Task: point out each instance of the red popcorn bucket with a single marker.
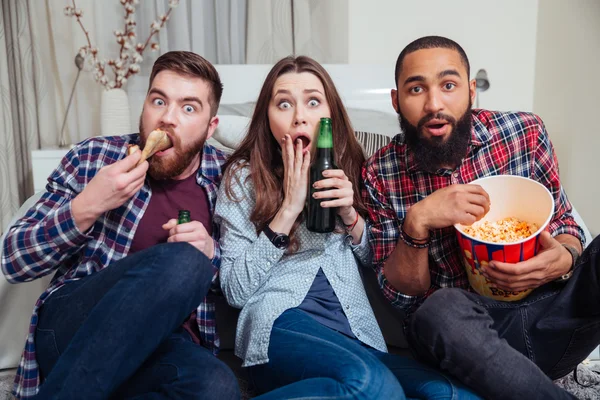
(510, 197)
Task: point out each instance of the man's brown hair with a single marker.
(191, 64)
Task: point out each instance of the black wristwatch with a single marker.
(279, 240)
(574, 256)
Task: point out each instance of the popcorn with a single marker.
(506, 230)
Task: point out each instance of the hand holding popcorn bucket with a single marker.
(520, 209)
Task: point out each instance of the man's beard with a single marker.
(169, 167)
(435, 152)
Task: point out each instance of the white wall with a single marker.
(499, 36)
(567, 96)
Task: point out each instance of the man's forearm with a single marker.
(83, 213)
(570, 240)
(407, 268)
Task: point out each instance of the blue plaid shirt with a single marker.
(46, 238)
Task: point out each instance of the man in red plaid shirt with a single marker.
(417, 189)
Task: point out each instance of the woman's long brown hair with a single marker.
(260, 151)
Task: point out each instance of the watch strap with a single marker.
(574, 256)
(279, 240)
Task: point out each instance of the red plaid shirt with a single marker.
(501, 143)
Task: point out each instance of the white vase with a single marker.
(114, 113)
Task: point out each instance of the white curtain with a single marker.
(27, 95)
(316, 28)
(215, 29)
(212, 28)
(38, 44)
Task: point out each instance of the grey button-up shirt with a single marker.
(264, 281)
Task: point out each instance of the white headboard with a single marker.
(362, 87)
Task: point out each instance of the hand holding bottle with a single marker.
(337, 189)
(192, 232)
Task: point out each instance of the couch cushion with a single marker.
(17, 304)
(231, 130)
(371, 142)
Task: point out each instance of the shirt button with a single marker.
(347, 307)
(358, 334)
(456, 174)
(306, 280)
(268, 263)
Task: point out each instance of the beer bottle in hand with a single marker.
(184, 216)
(321, 219)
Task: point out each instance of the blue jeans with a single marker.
(509, 350)
(117, 333)
(309, 360)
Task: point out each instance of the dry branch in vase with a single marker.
(131, 51)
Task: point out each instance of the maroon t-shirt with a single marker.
(168, 197)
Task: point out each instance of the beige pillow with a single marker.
(231, 130)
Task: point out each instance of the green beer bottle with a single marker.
(321, 219)
(184, 216)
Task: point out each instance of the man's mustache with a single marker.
(441, 116)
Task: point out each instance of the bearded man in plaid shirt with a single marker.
(417, 189)
(126, 314)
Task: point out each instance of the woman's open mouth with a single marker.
(304, 138)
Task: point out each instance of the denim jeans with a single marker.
(117, 333)
(309, 360)
(509, 350)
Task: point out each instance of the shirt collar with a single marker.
(210, 164)
(480, 135)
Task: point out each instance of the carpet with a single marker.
(6, 384)
(588, 387)
(586, 375)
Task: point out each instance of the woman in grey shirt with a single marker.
(306, 328)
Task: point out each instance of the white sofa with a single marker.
(17, 303)
(365, 91)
